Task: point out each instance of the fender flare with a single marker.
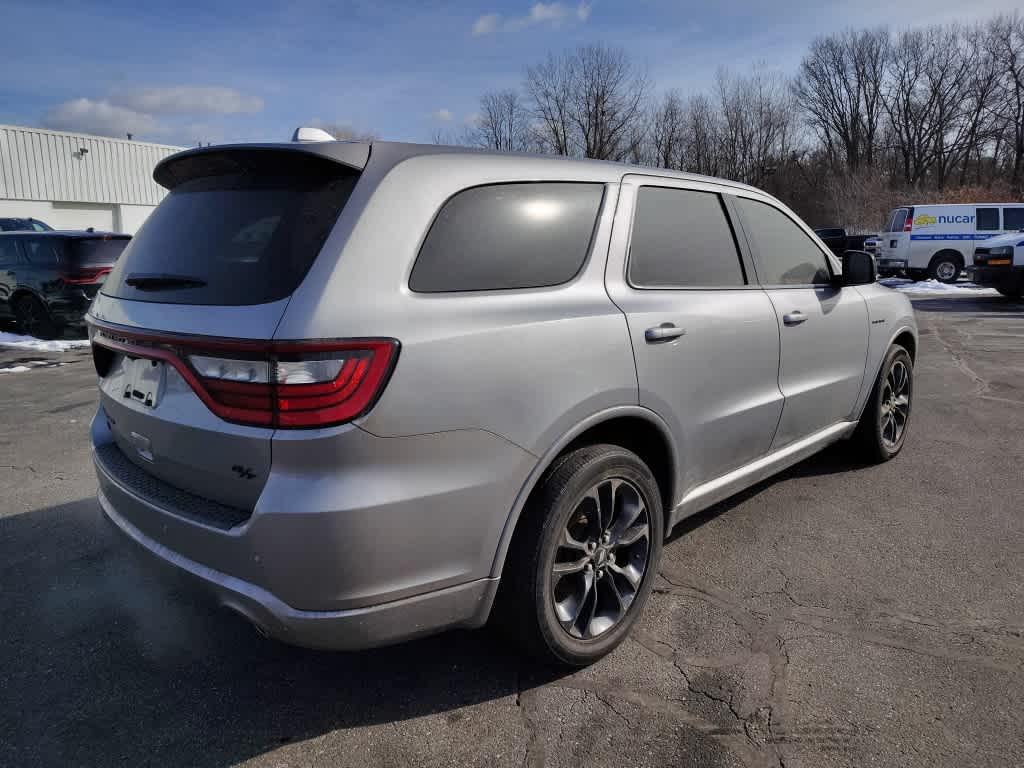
(24, 290)
(903, 328)
(555, 450)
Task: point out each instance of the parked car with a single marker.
(999, 263)
(364, 396)
(26, 225)
(937, 241)
(48, 279)
(839, 242)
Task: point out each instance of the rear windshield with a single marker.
(242, 237)
(897, 219)
(95, 252)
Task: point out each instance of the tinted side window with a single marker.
(1013, 218)
(786, 255)
(42, 252)
(988, 219)
(506, 236)
(8, 251)
(682, 238)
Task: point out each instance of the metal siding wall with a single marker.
(46, 165)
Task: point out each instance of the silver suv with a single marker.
(365, 392)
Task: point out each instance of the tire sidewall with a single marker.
(895, 353)
(613, 464)
(940, 258)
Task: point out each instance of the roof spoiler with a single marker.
(239, 158)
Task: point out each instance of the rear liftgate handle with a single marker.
(663, 332)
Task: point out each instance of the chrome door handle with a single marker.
(794, 318)
(663, 332)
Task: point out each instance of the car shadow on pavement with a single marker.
(838, 458)
(975, 306)
(104, 662)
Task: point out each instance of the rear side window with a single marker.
(1013, 218)
(8, 251)
(247, 233)
(682, 238)
(897, 220)
(42, 251)
(95, 252)
(786, 255)
(988, 219)
(505, 236)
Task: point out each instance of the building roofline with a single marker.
(90, 136)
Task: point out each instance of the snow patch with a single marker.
(934, 287)
(15, 369)
(18, 341)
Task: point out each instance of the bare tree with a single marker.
(756, 125)
(504, 122)
(549, 86)
(702, 130)
(668, 131)
(1008, 43)
(839, 90)
(608, 95)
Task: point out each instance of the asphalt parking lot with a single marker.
(838, 615)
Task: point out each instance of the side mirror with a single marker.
(858, 268)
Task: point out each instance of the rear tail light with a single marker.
(274, 384)
(908, 223)
(85, 276)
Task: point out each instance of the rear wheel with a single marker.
(34, 319)
(883, 425)
(584, 556)
(946, 266)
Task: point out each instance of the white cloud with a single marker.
(99, 117)
(486, 24)
(443, 115)
(187, 100)
(552, 14)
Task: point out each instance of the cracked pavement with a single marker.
(838, 615)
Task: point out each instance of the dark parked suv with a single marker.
(48, 279)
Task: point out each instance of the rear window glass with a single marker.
(95, 252)
(897, 220)
(42, 251)
(505, 236)
(246, 237)
(682, 238)
(988, 219)
(1013, 218)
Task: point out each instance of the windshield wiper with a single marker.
(159, 282)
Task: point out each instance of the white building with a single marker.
(75, 181)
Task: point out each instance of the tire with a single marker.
(946, 266)
(34, 318)
(880, 436)
(573, 619)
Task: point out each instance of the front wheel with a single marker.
(883, 425)
(946, 267)
(584, 556)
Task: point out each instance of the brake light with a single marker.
(85, 276)
(908, 223)
(289, 385)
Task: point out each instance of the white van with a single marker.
(937, 241)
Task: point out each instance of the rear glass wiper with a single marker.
(159, 282)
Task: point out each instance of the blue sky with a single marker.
(183, 72)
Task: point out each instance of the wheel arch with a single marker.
(20, 292)
(904, 336)
(633, 427)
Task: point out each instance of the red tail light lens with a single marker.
(908, 223)
(288, 385)
(85, 276)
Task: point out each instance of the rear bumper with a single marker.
(69, 307)
(356, 541)
(465, 605)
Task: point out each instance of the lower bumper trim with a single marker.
(465, 605)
